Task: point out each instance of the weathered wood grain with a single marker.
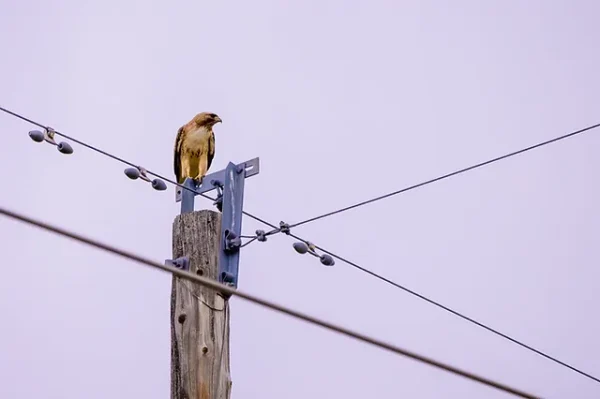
(199, 316)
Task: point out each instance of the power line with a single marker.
(457, 172)
(213, 284)
(458, 314)
(286, 229)
(124, 161)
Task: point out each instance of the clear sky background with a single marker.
(342, 100)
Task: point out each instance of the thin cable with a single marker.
(248, 242)
(126, 162)
(228, 291)
(457, 172)
(91, 147)
(200, 299)
(277, 230)
(455, 313)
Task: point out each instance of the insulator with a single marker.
(36, 136)
(65, 148)
(132, 173)
(159, 185)
(300, 247)
(327, 260)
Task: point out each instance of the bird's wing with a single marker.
(211, 150)
(177, 154)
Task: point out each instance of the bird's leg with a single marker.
(186, 168)
(201, 171)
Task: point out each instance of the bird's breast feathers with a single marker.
(196, 140)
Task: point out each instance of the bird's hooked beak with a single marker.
(218, 119)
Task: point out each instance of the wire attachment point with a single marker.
(141, 173)
(261, 235)
(182, 263)
(284, 228)
(232, 242)
(48, 136)
(310, 248)
(218, 202)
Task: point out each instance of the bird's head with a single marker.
(207, 119)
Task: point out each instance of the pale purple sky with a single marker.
(341, 100)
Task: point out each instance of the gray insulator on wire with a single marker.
(64, 148)
(132, 173)
(159, 185)
(36, 136)
(327, 260)
(301, 247)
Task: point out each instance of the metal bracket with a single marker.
(231, 223)
(182, 263)
(210, 182)
(49, 135)
(229, 184)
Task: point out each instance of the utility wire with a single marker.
(458, 314)
(457, 172)
(225, 290)
(279, 229)
(126, 162)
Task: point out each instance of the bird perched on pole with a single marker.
(195, 147)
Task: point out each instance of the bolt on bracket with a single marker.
(182, 263)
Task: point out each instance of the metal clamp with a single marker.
(182, 263)
(261, 236)
(284, 228)
(231, 242)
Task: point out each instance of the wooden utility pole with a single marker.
(199, 316)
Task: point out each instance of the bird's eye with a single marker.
(213, 116)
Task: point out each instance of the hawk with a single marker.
(195, 147)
